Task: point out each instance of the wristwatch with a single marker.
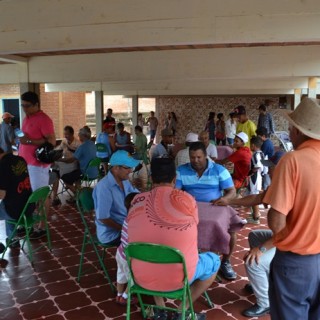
(29, 141)
(263, 249)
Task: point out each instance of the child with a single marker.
(122, 265)
(256, 170)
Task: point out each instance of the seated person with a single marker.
(15, 190)
(206, 181)
(182, 156)
(210, 148)
(162, 149)
(83, 155)
(140, 144)
(123, 139)
(68, 145)
(106, 138)
(261, 252)
(109, 195)
(169, 217)
(241, 159)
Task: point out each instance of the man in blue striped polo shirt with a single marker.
(207, 182)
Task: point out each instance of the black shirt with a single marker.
(14, 179)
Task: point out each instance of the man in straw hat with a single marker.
(295, 220)
(7, 133)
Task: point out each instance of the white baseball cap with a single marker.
(243, 136)
(192, 137)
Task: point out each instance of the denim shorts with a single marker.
(208, 264)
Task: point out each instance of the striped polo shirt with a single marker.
(209, 186)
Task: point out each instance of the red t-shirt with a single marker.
(241, 159)
(164, 216)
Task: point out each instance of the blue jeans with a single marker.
(294, 286)
(230, 141)
(152, 134)
(4, 216)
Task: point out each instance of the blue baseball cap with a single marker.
(123, 158)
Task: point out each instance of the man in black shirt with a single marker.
(15, 190)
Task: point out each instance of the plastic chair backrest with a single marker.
(39, 194)
(155, 253)
(85, 200)
(95, 162)
(224, 152)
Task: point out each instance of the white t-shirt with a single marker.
(212, 151)
(231, 129)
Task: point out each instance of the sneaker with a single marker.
(2, 247)
(56, 202)
(248, 288)
(122, 301)
(14, 244)
(160, 315)
(197, 316)
(37, 234)
(253, 221)
(227, 270)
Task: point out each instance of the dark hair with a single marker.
(262, 107)
(30, 97)
(139, 114)
(232, 114)
(240, 110)
(262, 131)
(109, 109)
(257, 141)
(120, 125)
(163, 170)
(219, 116)
(138, 128)
(211, 115)
(69, 129)
(174, 116)
(194, 146)
(128, 199)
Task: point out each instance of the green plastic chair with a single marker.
(85, 206)
(159, 254)
(95, 162)
(37, 197)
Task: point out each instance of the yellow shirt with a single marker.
(249, 128)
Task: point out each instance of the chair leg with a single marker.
(102, 265)
(128, 303)
(211, 305)
(82, 255)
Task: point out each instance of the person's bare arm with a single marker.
(229, 194)
(276, 220)
(2, 194)
(248, 201)
(111, 223)
(51, 138)
(255, 253)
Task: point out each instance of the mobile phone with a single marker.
(19, 133)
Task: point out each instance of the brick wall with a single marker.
(64, 108)
(9, 90)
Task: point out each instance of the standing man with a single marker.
(109, 117)
(206, 181)
(153, 125)
(109, 195)
(38, 129)
(265, 120)
(244, 124)
(295, 220)
(7, 133)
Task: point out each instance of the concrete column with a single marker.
(297, 97)
(135, 110)
(99, 110)
(312, 85)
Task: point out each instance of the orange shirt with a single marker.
(295, 193)
(164, 216)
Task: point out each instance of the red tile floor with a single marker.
(50, 290)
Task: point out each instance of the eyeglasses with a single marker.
(26, 105)
(125, 167)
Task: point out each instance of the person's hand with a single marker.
(253, 255)
(24, 140)
(220, 202)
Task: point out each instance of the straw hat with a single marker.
(306, 117)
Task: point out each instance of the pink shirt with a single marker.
(164, 216)
(35, 126)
